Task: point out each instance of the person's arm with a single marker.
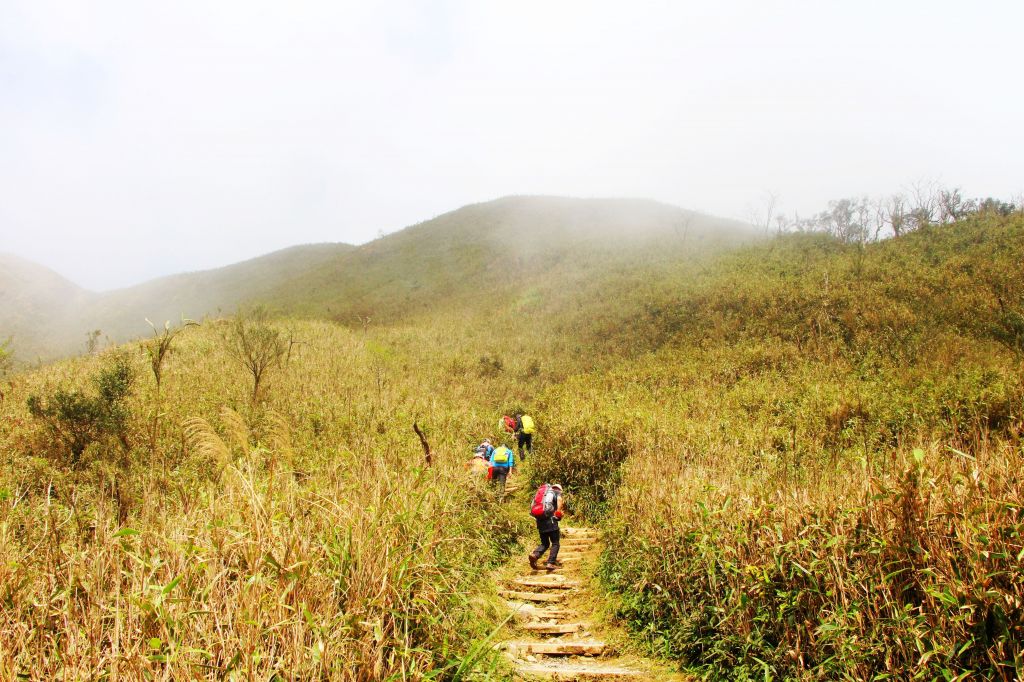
(558, 508)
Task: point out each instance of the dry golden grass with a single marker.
(301, 538)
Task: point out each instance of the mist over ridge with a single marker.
(440, 261)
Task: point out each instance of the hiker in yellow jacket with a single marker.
(525, 428)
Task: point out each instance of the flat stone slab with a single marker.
(530, 611)
(548, 582)
(553, 628)
(578, 648)
(532, 596)
(564, 671)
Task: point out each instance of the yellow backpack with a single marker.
(528, 425)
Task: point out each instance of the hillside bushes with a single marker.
(845, 500)
(587, 461)
(913, 574)
(76, 419)
(300, 537)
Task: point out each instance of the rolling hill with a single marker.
(35, 303)
(469, 258)
(803, 455)
(48, 316)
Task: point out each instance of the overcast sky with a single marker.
(139, 138)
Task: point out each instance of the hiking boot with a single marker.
(533, 561)
(554, 566)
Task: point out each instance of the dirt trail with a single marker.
(556, 635)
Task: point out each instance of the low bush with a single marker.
(76, 419)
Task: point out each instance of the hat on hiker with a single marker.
(557, 486)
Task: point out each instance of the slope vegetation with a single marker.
(35, 299)
(470, 259)
(804, 457)
(47, 316)
(483, 255)
(816, 471)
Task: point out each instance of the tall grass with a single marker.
(747, 428)
(857, 576)
(830, 483)
(302, 537)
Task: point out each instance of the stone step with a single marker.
(565, 671)
(579, 532)
(525, 611)
(532, 596)
(583, 647)
(563, 571)
(553, 628)
(548, 583)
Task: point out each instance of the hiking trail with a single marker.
(555, 633)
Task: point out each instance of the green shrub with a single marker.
(77, 419)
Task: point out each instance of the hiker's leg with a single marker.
(556, 537)
(520, 440)
(500, 474)
(545, 542)
(529, 444)
(546, 539)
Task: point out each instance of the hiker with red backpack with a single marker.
(547, 511)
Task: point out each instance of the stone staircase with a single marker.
(557, 642)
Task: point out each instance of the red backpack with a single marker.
(543, 502)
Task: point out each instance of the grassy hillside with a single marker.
(35, 299)
(122, 313)
(806, 455)
(50, 317)
(816, 472)
(481, 256)
(300, 535)
(471, 258)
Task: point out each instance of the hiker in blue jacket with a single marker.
(503, 463)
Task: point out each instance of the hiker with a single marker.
(484, 449)
(547, 510)
(525, 429)
(503, 463)
(480, 463)
(507, 424)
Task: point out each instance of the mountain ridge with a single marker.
(457, 258)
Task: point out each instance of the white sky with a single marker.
(139, 138)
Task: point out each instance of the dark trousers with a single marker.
(549, 538)
(524, 442)
(498, 476)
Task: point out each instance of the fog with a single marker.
(139, 138)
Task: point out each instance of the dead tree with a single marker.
(428, 454)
